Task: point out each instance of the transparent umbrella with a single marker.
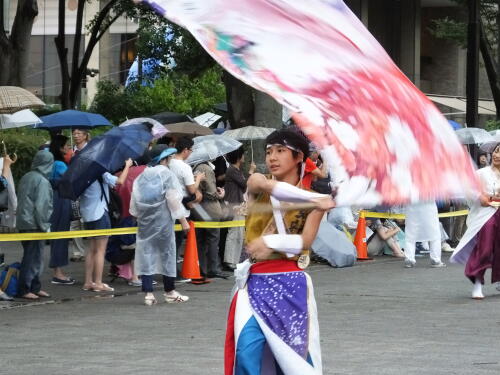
(472, 136)
(496, 134)
(249, 133)
(210, 147)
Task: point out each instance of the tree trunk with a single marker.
(268, 112)
(62, 53)
(491, 72)
(14, 57)
(240, 104)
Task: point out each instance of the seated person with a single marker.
(382, 234)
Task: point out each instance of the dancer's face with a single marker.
(281, 162)
(495, 157)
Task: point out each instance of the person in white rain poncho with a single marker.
(156, 203)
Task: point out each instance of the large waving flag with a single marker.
(386, 142)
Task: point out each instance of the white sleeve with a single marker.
(188, 176)
(289, 193)
(284, 243)
(174, 203)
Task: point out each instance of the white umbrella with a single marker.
(207, 119)
(249, 133)
(210, 147)
(470, 136)
(19, 119)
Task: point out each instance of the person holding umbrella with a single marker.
(94, 211)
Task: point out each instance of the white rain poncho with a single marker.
(156, 203)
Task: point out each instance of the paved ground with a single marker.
(375, 318)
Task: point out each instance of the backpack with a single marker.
(9, 277)
(114, 205)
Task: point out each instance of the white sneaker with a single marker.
(175, 297)
(150, 300)
(410, 263)
(437, 264)
(446, 248)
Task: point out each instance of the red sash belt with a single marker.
(275, 265)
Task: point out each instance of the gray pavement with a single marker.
(375, 318)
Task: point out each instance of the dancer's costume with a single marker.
(272, 325)
(479, 248)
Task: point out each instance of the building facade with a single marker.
(402, 27)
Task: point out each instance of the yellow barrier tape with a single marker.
(383, 215)
(198, 224)
(108, 232)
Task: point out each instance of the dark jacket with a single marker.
(34, 206)
(235, 186)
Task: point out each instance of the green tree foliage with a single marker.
(174, 92)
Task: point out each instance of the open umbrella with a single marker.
(72, 119)
(489, 147)
(472, 136)
(13, 99)
(249, 133)
(170, 117)
(188, 128)
(157, 129)
(496, 134)
(19, 119)
(207, 119)
(210, 147)
(107, 152)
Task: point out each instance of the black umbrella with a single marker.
(171, 118)
(106, 153)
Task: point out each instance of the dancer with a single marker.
(272, 325)
(422, 225)
(479, 248)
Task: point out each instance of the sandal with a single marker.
(103, 288)
(30, 296)
(43, 294)
(150, 300)
(88, 288)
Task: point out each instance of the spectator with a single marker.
(94, 211)
(80, 138)
(189, 183)
(208, 238)
(33, 215)
(483, 160)
(235, 188)
(6, 182)
(312, 171)
(156, 202)
(383, 234)
(61, 215)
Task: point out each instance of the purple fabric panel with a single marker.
(486, 253)
(281, 301)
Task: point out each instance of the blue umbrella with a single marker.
(105, 153)
(71, 119)
(455, 125)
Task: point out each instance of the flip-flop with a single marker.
(87, 288)
(30, 298)
(104, 288)
(43, 294)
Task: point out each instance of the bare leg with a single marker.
(89, 265)
(100, 250)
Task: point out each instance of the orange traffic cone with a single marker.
(191, 265)
(360, 239)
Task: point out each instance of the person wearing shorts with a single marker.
(94, 211)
